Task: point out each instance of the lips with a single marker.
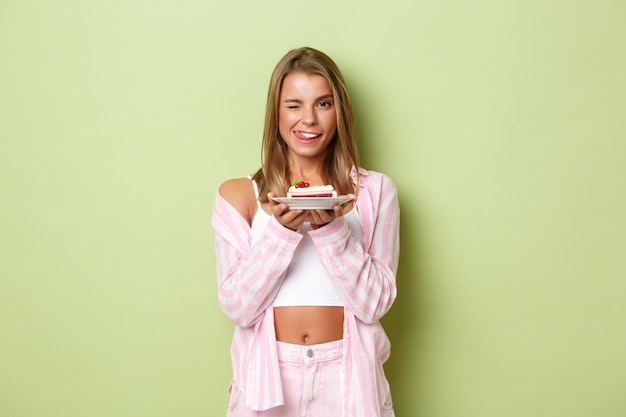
(306, 136)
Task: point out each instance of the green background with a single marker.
(502, 123)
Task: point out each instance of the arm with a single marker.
(364, 277)
(249, 276)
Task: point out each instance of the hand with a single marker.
(291, 219)
(319, 218)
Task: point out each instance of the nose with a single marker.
(308, 116)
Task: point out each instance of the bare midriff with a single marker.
(308, 325)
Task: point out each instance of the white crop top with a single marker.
(307, 282)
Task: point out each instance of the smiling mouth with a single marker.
(306, 135)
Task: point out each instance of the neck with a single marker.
(307, 170)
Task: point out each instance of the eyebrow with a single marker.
(295, 100)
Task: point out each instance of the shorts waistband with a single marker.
(288, 352)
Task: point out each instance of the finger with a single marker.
(294, 222)
(270, 197)
(314, 216)
(283, 213)
(299, 215)
(337, 210)
(322, 216)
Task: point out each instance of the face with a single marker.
(307, 119)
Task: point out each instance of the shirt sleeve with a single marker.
(249, 276)
(365, 277)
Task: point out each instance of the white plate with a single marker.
(312, 203)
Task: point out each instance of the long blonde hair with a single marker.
(341, 155)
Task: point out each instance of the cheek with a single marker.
(285, 120)
(330, 121)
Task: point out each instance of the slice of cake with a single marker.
(303, 189)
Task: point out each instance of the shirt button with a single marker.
(309, 353)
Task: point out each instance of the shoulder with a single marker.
(239, 193)
(235, 186)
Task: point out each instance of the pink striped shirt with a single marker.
(363, 272)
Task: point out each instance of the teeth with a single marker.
(308, 135)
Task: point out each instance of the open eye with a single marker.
(325, 104)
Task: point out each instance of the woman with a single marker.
(306, 288)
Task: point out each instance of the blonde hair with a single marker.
(341, 155)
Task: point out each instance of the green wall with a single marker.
(502, 123)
